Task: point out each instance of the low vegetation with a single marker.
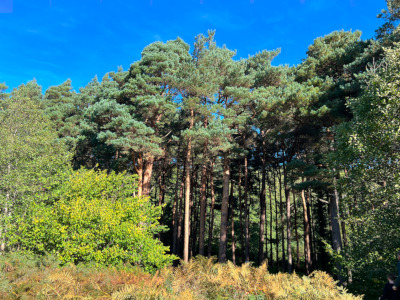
(26, 277)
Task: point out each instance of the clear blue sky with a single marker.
(53, 40)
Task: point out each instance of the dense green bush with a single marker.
(96, 219)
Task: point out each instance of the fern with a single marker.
(63, 277)
(126, 293)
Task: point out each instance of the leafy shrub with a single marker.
(96, 219)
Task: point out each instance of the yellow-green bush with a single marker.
(96, 220)
(199, 279)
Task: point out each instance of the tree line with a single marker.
(249, 161)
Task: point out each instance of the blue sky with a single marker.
(53, 40)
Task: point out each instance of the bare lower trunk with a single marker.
(262, 213)
(6, 214)
(296, 232)
(175, 211)
(194, 208)
(232, 225)
(211, 228)
(336, 237)
(203, 202)
(148, 170)
(270, 224)
(288, 221)
(161, 198)
(187, 193)
(307, 250)
(241, 207)
(181, 212)
(139, 171)
(310, 220)
(224, 210)
(282, 222)
(246, 216)
(276, 224)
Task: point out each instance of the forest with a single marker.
(193, 154)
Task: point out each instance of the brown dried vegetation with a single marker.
(201, 278)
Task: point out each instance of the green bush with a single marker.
(96, 219)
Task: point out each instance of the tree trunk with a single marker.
(203, 203)
(241, 207)
(232, 210)
(6, 214)
(307, 250)
(187, 193)
(336, 237)
(175, 210)
(288, 220)
(211, 228)
(276, 224)
(270, 224)
(312, 239)
(147, 175)
(181, 213)
(296, 232)
(139, 171)
(224, 210)
(263, 212)
(161, 196)
(282, 222)
(246, 216)
(194, 207)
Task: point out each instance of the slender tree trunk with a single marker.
(276, 224)
(296, 232)
(263, 212)
(336, 237)
(288, 220)
(270, 224)
(232, 210)
(187, 192)
(161, 197)
(323, 259)
(6, 214)
(312, 233)
(203, 203)
(175, 214)
(307, 250)
(180, 217)
(224, 210)
(246, 217)
(241, 206)
(282, 222)
(195, 214)
(211, 228)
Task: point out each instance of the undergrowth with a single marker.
(28, 277)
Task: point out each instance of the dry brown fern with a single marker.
(125, 293)
(64, 278)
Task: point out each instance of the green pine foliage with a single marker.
(297, 165)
